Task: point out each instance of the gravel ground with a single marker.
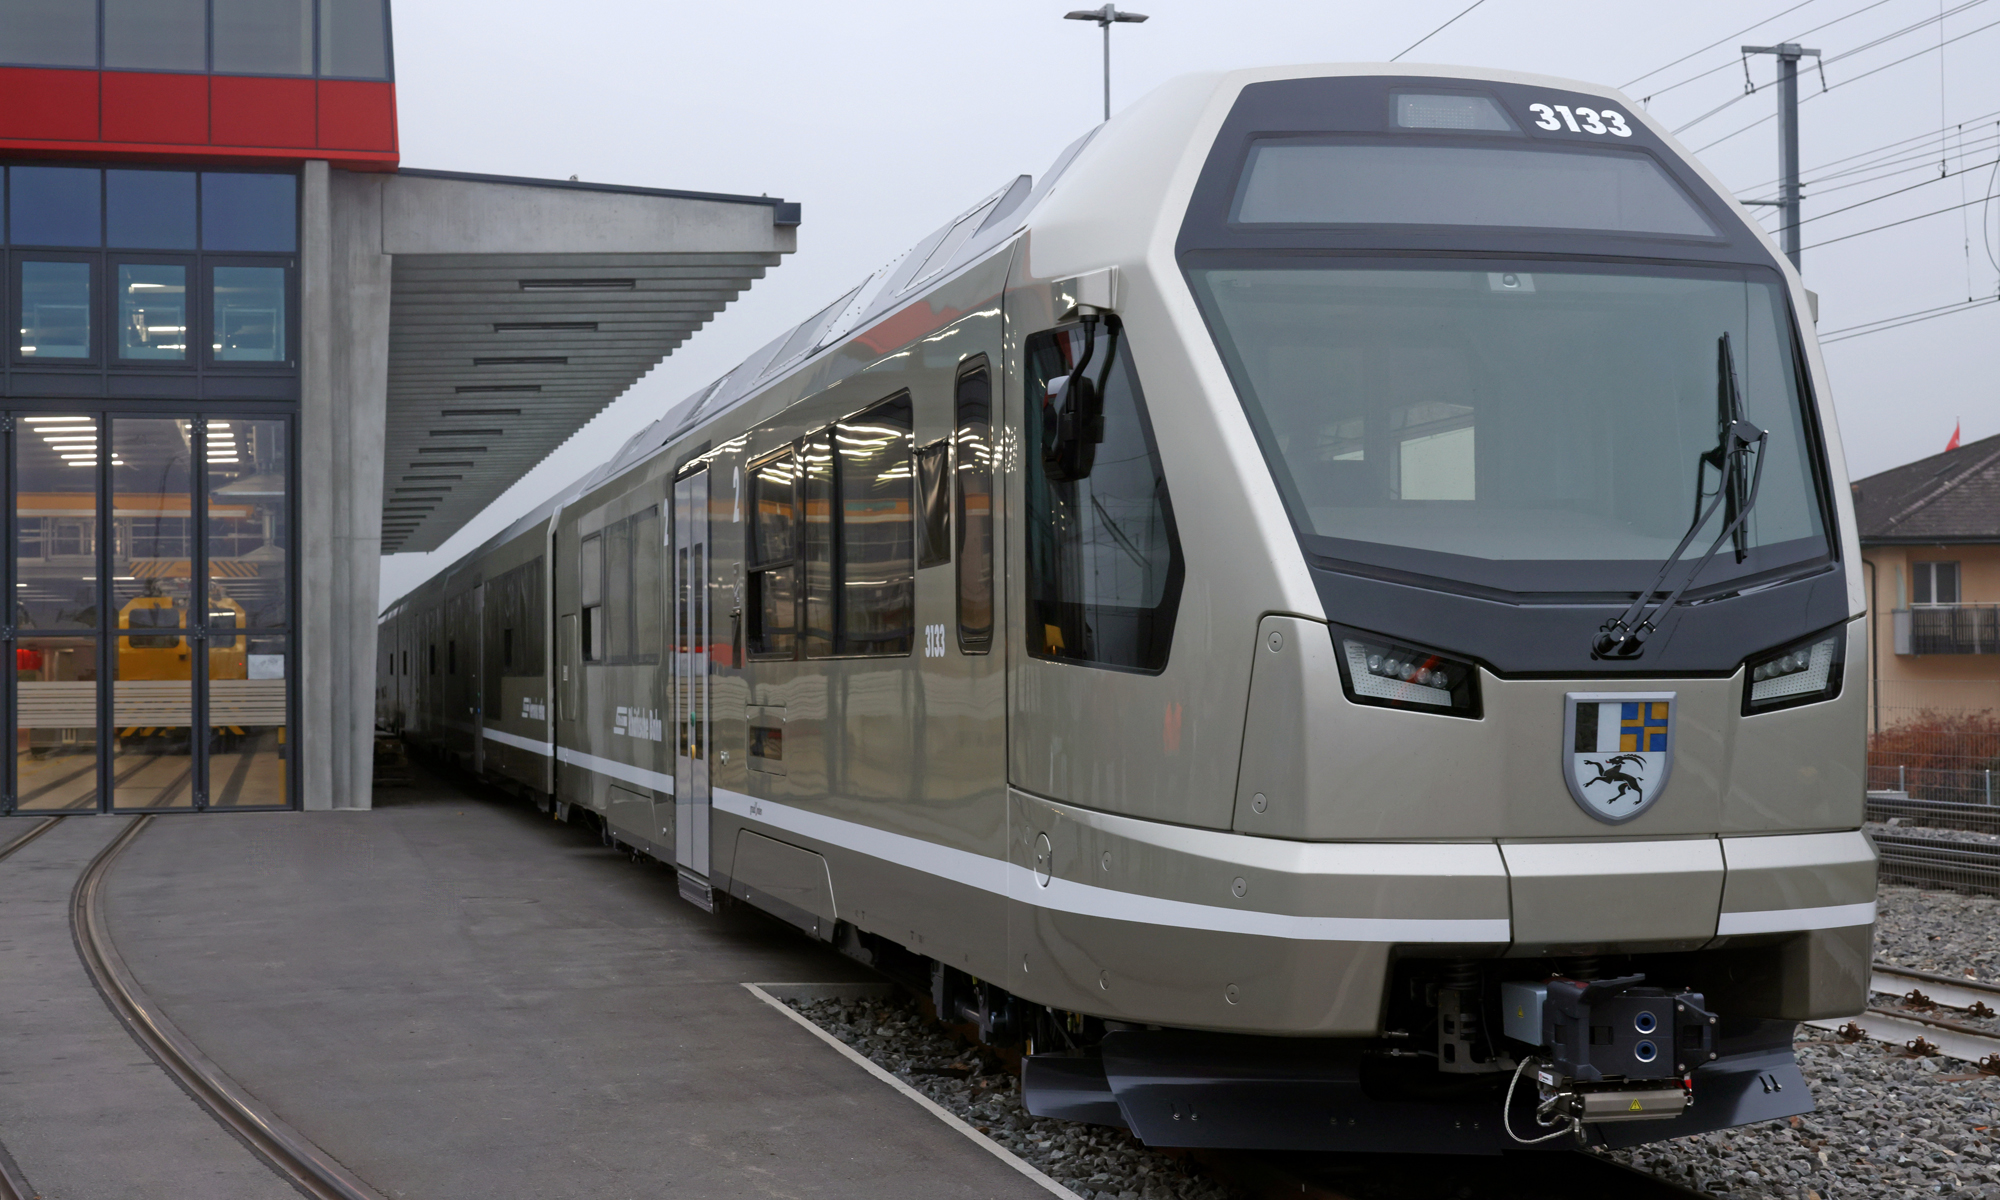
(1093, 1161)
(1945, 932)
(1910, 828)
(1887, 1125)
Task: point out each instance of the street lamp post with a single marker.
(1106, 17)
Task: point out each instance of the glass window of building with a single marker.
(55, 506)
(257, 213)
(149, 210)
(54, 304)
(263, 37)
(156, 35)
(54, 206)
(248, 311)
(152, 312)
(354, 39)
(248, 535)
(48, 33)
(152, 576)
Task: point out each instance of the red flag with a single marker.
(1953, 443)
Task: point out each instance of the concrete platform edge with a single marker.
(769, 994)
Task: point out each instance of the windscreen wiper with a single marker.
(1624, 636)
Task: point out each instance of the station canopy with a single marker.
(520, 308)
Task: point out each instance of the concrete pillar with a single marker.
(360, 375)
(315, 652)
(344, 364)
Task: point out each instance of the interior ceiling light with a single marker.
(578, 285)
(545, 327)
(47, 420)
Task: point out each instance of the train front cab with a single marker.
(1439, 374)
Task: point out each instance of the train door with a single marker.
(690, 654)
(477, 679)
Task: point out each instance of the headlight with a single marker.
(1395, 675)
(1801, 673)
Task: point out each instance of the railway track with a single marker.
(13, 1184)
(1939, 862)
(1938, 1011)
(1940, 814)
(295, 1158)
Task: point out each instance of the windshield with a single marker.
(1530, 430)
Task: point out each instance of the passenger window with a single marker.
(1104, 562)
(860, 535)
(974, 498)
(877, 534)
(617, 610)
(934, 500)
(773, 567)
(817, 477)
(648, 556)
(590, 586)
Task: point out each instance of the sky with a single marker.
(886, 119)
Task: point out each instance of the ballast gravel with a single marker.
(1095, 1162)
(1888, 1125)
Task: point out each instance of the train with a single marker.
(1328, 620)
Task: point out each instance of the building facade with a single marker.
(247, 351)
(1930, 539)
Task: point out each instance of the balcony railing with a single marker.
(1948, 629)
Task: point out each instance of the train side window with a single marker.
(774, 558)
(615, 643)
(434, 658)
(451, 657)
(648, 556)
(818, 544)
(878, 567)
(934, 504)
(973, 488)
(1104, 560)
(590, 588)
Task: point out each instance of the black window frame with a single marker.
(196, 333)
(755, 569)
(18, 259)
(1929, 568)
(287, 365)
(973, 639)
(1164, 616)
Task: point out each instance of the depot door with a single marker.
(690, 658)
(149, 647)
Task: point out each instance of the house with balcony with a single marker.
(1930, 545)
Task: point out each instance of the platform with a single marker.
(453, 996)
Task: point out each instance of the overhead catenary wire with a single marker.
(1440, 29)
(1898, 146)
(1712, 45)
(1910, 318)
(1899, 191)
(1824, 62)
(1732, 37)
(1936, 212)
(1851, 79)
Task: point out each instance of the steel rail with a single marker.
(29, 836)
(13, 1184)
(304, 1165)
(1939, 861)
(1883, 968)
(1937, 814)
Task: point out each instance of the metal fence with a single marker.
(1939, 862)
(1936, 814)
(1937, 755)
